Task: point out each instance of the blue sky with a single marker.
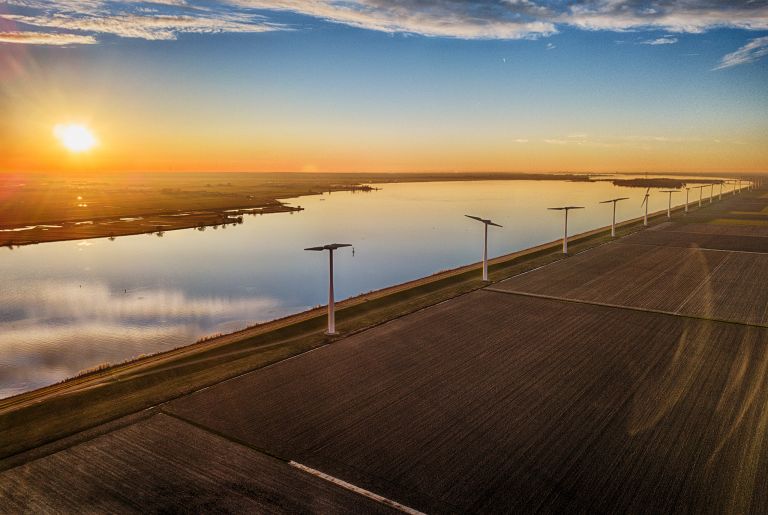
(587, 80)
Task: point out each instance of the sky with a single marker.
(386, 85)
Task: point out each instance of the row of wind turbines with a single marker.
(331, 247)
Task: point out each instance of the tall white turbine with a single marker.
(613, 221)
(565, 232)
(645, 203)
(331, 304)
(486, 223)
(669, 204)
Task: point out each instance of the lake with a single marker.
(69, 306)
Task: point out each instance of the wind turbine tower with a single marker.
(565, 232)
(645, 203)
(613, 221)
(669, 204)
(486, 223)
(331, 304)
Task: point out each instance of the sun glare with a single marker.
(74, 137)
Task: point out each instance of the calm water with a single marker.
(68, 306)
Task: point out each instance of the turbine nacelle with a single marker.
(484, 220)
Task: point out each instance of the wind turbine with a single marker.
(613, 221)
(486, 223)
(701, 189)
(331, 304)
(565, 232)
(669, 205)
(645, 203)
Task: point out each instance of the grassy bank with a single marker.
(34, 418)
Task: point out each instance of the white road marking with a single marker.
(356, 489)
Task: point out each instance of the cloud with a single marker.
(43, 38)
(483, 19)
(692, 16)
(666, 40)
(749, 53)
(478, 19)
(82, 21)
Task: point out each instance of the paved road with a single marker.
(632, 377)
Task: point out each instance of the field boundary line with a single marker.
(689, 246)
(356, 489)
(619, 306)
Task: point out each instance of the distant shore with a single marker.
(39, 209)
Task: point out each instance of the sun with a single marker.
(75, 137)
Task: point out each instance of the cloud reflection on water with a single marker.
(52, 330)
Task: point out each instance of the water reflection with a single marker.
(54, 329)
(68, 306)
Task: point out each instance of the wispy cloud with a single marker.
(479, 19)
(484, 19)
(666, 40)
(82, 21)
(691, 16)
(751, 52)
(43, 38)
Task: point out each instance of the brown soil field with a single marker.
(496, 402)
(206, 473)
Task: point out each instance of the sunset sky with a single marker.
(385, 85)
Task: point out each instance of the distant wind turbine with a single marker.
(645, 203)
(701, 189)
(565, 232)
(486, 223)
(331, 304)
(613, 221)
(669, 205)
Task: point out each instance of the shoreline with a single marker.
(33, 231)
(77, 404)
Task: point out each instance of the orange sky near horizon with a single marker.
(147, 116)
